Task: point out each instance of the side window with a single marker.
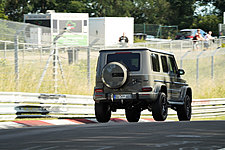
(164, 64)
(172, 65)
(155, 62)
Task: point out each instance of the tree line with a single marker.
(161, 12)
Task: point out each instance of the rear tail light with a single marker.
(98, 90)
(146, 89)
(191, 37)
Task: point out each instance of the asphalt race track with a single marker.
(205, 135)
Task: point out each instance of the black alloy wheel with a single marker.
(102, 112)
(160, 108)
(184, 111)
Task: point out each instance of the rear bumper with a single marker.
(148, 96)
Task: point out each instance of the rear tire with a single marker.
(133, 115)
(160, 108)
(184, 111)
(102, 112)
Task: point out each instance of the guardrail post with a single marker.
(197, 66)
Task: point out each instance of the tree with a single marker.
(181, 13)
(15, 9)
(207, 23)
(2, 9)
(150, 11)
(219, 4)
(70, 6)
(109, 8)
(41, 6)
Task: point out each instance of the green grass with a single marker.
(138, 40)
(208, 118)
(206, 86)
(31, 68)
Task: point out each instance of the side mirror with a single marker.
(180, 72)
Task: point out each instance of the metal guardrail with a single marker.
(23, 105)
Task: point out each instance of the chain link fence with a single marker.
(29, 64)
(157, 31)
(32, 61)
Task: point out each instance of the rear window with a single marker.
(186, 33)
(130, 60)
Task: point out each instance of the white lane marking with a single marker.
(105, 147)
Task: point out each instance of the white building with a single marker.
(57, 22)
(223, 17)
(106, 31)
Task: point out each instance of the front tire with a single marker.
(102, 112)
(184, 111)
(133, 115)
(160, 108)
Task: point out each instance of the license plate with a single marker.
(122, 96)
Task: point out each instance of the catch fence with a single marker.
(38, 64)
(157, 31)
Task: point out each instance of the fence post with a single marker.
(181, 47)
(193, 45)
(212, 63)
(197, 65)
(45, 69)
(75, 55)
(23, 50)
(16, 47)
(181, 59)
(55, 68)
(88, 68)
(41, 53)
(5, 47)
(144, 28)
(171, 45)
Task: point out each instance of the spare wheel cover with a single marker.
(114, 75)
